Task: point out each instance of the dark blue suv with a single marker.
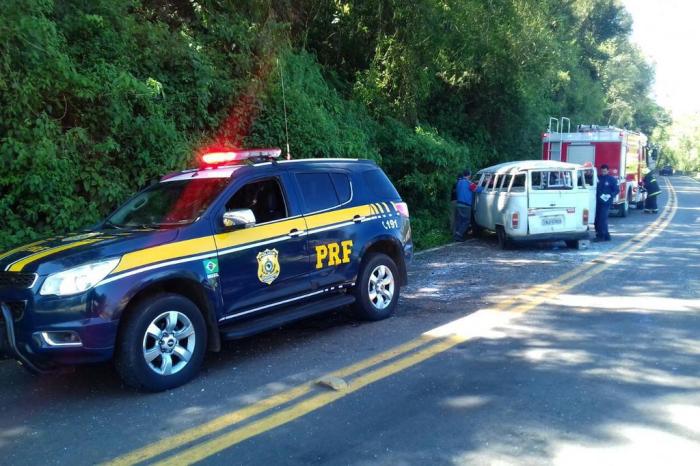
(238, 246)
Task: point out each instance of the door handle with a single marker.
(357, 218)
(294, 232)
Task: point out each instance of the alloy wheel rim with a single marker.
(169, 343)
(381, 287)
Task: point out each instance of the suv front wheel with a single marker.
(377, 288)
(162, 343)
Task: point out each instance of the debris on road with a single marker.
(332, 382)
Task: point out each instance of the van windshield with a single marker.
(552, 179)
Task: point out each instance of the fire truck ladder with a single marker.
(555, 124)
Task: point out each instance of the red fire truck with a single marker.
(625, 152)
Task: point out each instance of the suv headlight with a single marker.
(77, 279)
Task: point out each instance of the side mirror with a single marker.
(239, 218)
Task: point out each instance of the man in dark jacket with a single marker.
(653, 191)
(464, 191)
(606, 192)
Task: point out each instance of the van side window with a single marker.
(581, 183)
(492, 182)
(264, 198)
(588, 176)
(506, 182)
(485, 180)
(518, 183)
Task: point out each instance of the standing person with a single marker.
(465, 195)
(606, 192)
(453, 204)
(653, 191)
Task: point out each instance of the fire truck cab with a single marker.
(625, 152)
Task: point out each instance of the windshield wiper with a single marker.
(111, 224)
(160, 225)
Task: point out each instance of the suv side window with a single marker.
(343, 189)
(263, 197)
(318, 191)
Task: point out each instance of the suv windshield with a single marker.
(169, 203)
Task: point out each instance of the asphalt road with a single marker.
(538, 355)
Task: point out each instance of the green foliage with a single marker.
(321, 123)
(681, 144)
(95, 99)
(98, 96)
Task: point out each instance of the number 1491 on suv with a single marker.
(242, 244)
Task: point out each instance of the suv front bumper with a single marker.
(8, 342)
(35, 349)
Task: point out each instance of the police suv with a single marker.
(242, 244)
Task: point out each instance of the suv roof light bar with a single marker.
(239, 156)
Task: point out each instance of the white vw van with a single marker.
(536, 200)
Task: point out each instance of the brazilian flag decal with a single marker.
(211, 267)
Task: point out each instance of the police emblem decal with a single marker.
(268, 266)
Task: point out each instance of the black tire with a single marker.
(503, 241)
(476, 230)
(623, 209)
(130, 358)
(573, 243)
(366, 307)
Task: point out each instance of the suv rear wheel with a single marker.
(377, 288)
(161, 343)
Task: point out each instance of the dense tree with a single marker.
(98, 96)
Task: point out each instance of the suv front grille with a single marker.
(17, 280)
(16, 309)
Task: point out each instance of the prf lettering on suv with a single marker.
(240, 245)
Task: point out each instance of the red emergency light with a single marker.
(231, 157)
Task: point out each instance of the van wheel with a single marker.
(161, 344)
(377, 288)
(503, 241)
(573, 243)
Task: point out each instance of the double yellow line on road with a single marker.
(228, 430)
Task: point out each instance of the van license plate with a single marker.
(552, 221)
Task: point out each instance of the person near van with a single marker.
(653, 191)
(453, 204)
(465, 190)
(605, 193)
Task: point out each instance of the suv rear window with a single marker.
(378, 183)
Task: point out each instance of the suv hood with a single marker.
(61, 253)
